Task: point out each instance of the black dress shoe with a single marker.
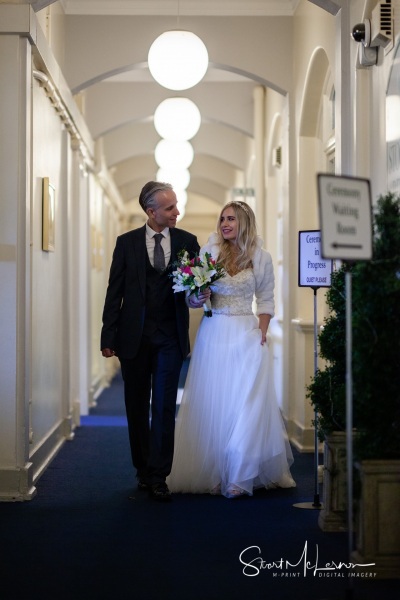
(142, 484)
(160, 492)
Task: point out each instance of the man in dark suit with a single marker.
(147, 326)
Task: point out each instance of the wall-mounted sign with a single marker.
(345, 217)
(314, 271)
(243, 192)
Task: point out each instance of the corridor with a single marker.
(83, 537)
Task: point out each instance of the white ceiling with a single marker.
(105, 64)
(183, 7)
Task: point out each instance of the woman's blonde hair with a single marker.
(237, 257)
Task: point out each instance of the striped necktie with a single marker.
(159, 258)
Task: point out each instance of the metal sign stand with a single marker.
(346, 223)
(316, 504)
(349, 425)
(314, 272)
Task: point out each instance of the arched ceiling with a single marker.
(105, 64)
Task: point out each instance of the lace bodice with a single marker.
(233, 295)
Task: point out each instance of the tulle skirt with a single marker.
(229, 431)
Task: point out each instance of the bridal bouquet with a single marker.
(195, 275)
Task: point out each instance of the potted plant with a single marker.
(376, 392)
(327, 392)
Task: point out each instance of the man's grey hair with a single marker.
(147, 198)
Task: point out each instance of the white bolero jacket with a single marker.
(263, 273)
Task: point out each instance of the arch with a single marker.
(143, 66)
(313, 89)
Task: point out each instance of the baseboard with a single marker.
(42, 456)
(302, 438)
(16, 485)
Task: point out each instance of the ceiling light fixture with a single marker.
(172, 154)
(178, 60)
(177, 119)
(181, 196)
(178, 178)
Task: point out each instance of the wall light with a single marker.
(178, 60)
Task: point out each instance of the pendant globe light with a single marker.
(172, 154)
(178, 178)
(177, 119)
(181, 196)
(178, 60)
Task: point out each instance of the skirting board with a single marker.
(302, 438)
(18, 484)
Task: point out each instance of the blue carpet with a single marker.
(103, 421)
(83, 538)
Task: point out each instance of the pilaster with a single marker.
(16, 478)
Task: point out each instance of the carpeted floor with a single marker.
(82, 538)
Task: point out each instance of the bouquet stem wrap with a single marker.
(207, 308)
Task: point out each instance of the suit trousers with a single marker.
(150, 388)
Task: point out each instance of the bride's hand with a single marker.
(263, 323)
(203, 296)
(200, 300)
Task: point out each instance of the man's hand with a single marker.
(107, 352)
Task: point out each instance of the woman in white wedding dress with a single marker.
(230, 437)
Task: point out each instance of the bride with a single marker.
(230, 437)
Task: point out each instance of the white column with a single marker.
(259, 167)
(15, 301)
(344, 153)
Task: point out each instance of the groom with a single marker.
(146, 326)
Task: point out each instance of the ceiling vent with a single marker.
(381, 24)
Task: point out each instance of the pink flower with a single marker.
(187, 270)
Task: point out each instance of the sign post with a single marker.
(346, 226)
(314, 272)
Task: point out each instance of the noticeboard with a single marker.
(314, 271)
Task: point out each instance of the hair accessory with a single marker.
(243, 205)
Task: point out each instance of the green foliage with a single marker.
(376, 344)
(376, 338)
(328, 395)
(327, 390)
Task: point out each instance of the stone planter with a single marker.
(333, 515)
(377, 517)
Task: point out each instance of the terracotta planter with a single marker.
(333, 515)
(377, 517)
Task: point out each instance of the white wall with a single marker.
(50, 313)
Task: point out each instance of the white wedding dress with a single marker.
(229, 431)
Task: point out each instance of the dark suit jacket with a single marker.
(125, 303)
